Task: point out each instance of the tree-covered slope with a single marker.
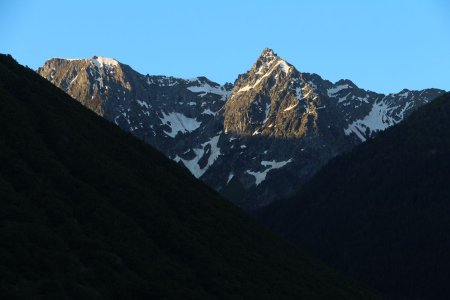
(381, 213)
(90, 212)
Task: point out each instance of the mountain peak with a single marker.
(347, 82)
(101, 60)
(267, 52)
(270, 99)
(105, 61)
(267, 56)
(267, 61)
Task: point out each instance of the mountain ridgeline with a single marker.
(254, 141)
(90, 212)
(272, 99)
(380, 214)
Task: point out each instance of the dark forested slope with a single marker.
(90, 212)
(381, 213)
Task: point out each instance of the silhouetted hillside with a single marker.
(90, 212)
(381, 213)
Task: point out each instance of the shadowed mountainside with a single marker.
(89, 211)
(380, 214)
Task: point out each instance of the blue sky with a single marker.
(381, 45)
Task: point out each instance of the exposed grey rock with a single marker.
(166, 112)
(255, 141)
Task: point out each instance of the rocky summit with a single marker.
(256, 140)
(272, 99)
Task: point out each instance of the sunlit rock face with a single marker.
(272, 99)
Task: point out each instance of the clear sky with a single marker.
(382, 45)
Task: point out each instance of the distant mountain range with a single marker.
(256, 140)
(87, 211)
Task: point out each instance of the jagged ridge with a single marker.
(256, 140)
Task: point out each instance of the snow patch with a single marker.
(404, 95)
(230, 177)
(205, 88)
(163, 80)
(311, 83)
(342, 99)
(363, 99)
(333, 91)
(208, 112)
(143, 104)
(378, 119)
(270, 165)
(100, 81)
(193, 165)
(73, 80)
(291, 107)
(284, 66)
(179, 123)
(248, 87)
(101, 61)
(266, 113)
(298, 93)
